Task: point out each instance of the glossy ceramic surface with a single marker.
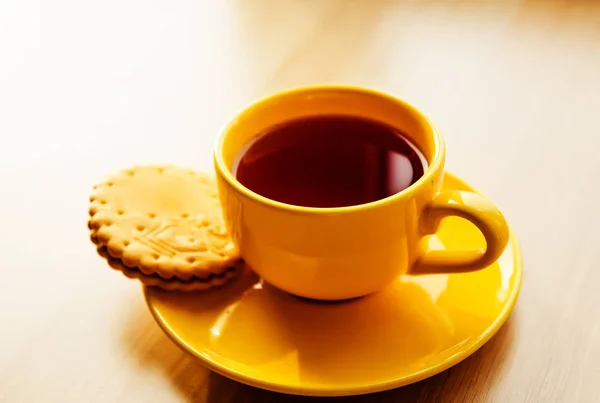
(416, 327)
(325, 250)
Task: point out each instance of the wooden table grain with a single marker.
(90, 87)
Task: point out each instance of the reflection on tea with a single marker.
(329, 161)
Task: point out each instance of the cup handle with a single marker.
(482, 213)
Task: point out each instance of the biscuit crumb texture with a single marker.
(162, 220)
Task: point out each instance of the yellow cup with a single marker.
(346, 252)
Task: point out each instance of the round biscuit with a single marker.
(162, 219)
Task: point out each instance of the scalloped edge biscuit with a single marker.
(164, 220)
(173, 284)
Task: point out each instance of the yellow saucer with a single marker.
(415, 328)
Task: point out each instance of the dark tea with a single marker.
(329, 161)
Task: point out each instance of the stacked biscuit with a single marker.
(163, 225)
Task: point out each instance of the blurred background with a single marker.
(90, 87)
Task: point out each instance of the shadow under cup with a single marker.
(327, 253)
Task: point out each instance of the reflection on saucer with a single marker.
(371, 335)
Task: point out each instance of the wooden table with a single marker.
(90, 87)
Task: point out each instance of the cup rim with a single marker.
(227, 174)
